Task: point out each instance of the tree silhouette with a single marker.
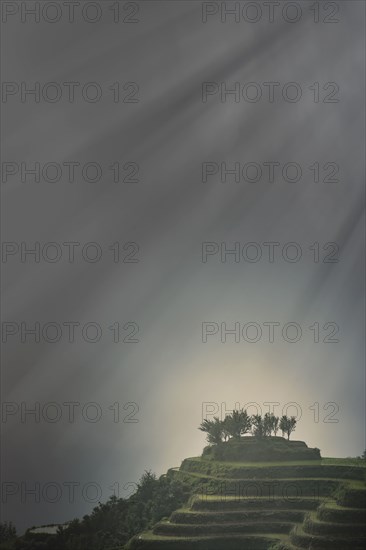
(258, 427)
(287, 425)
(274, 423)
(7, 531)
(214, 429)
(237, 424)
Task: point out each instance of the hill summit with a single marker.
(252, 449)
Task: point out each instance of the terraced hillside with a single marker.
(253, 506)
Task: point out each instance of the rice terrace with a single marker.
(249, 490)
(263, 492)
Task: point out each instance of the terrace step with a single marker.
(285, 487)
(228, 516)
(353, 498)
(287, 470)
(300, 538)
(149, 541)
(185, 530)
(332, 512)
(222, 503)
(314, 526)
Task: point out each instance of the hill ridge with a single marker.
(219, 516)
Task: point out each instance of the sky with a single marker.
(197, 226)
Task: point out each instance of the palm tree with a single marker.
(267, 424)
(275, 423)
(237, 424)
(257, 423)
(214, 429)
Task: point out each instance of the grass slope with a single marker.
(249, 506)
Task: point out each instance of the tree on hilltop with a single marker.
(214, 429)
(263, 427)
(287, 425)
(237, 424)
(258, 426)
(267, 424)
(274, 423)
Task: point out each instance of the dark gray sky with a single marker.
(163, 380)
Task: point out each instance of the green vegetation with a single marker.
(276, 505)
(111, 524)
(239, 423)
(7, 534)
(253, 449)
(344, 461)
(259, 491)
(287, 425)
